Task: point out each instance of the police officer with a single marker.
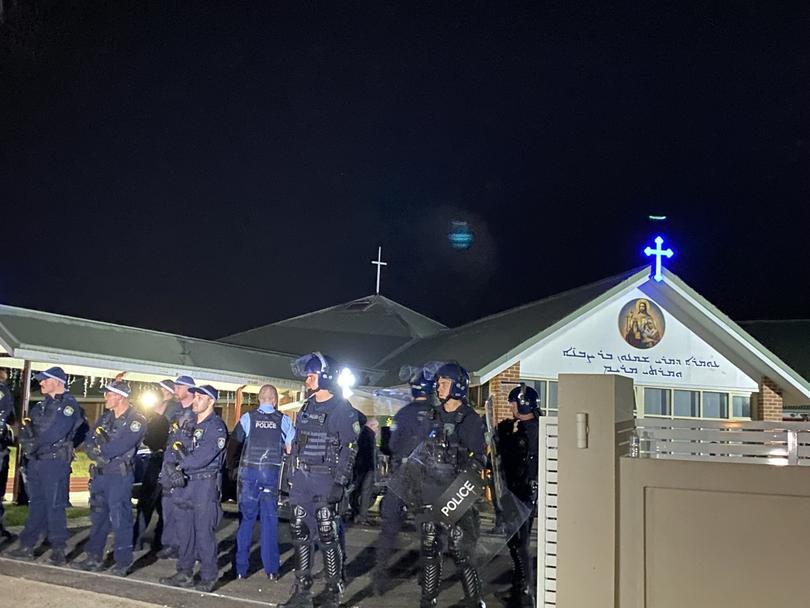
(180, 425)
(323, 455)
(194, 465)
(410, 427)
(518, 445)
(266, 436)
(112, 445)
(6, 418)
(46, 439)
(454, 445)
(149, 497)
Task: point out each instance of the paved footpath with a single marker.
(34, 586)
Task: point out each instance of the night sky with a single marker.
(204, 169)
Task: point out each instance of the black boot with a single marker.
(301, 596)
(179, 579)
(332, 596)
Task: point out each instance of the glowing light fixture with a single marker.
(658, 253)
(148, 399)
(346, 380)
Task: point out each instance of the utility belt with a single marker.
(63, 453)
(203, 475)
(113, 468)
(315, 468)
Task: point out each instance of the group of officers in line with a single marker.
(182, 482)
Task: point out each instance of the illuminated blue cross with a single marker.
(658, 253)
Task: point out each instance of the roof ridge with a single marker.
(389, 302)
(623, 275)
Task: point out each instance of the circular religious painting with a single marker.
(641, 323)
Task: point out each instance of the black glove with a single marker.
(335, 494)
(173, 478)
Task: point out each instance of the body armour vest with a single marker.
(445, 454)
(263, 447)
(317, 436)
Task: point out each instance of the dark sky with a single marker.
(203, 169)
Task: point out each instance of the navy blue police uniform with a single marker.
(455, 445)
(47, 442)
(518, 444)
(323, 453)
(6, 417)
(112, 444)
(264, 433)
(196, 460)
(180, 429)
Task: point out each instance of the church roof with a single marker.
(358, 333)
(483, 344)
(69, 341)
(788, 339)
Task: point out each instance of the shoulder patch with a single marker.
(198, 433)
(135, 426)
(68, 411)
(356, 427)
(221, 443)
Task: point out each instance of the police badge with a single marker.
(68, 411)
(221, 443)
(198, 433)
(135, 426)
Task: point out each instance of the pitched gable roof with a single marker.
(487, 344)
(358, 333)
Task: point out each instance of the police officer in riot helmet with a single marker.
(410, 427)
(518, 445)
(455, 445)
(323, 453)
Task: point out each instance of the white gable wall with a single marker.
(594, 344)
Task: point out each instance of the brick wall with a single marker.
(769, 403)
(499, 388)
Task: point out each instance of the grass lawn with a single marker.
(15, 516)
(80, 465)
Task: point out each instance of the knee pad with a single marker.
(298, 525)
(430, 540)
(457, 548)
(327, 527)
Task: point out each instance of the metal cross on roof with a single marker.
(379, 264)
(658, 253)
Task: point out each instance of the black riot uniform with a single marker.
(149, 498)
(323, 454)
(455, 445)
(411, 426)
(518, 444)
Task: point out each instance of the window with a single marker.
(552, 395)
(656, 402)
(715, 405)
(687, 404)
(741, 406)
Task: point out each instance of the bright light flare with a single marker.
(346, 380)
(149, 399)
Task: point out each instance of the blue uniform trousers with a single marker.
(258, 497)
(47, 487)
(198, 513)
(111, 509)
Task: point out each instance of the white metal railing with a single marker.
(547, 513)
(775, 443)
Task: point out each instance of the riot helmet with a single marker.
(459, 376)
(316, 363)
(421, 379)
(525, 397)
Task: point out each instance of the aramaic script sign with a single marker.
(632, 364)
